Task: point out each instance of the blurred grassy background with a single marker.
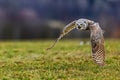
(68, 60)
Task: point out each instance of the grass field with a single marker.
(68, 60)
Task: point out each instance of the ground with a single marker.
(68, 60)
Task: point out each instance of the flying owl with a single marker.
(96, 37)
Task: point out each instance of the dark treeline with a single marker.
(29, 19)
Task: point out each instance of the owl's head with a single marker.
(82, 24)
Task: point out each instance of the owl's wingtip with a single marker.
(47, 49)
(101, 64)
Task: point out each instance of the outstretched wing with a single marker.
(66, 30)
(97, 42)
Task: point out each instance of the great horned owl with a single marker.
(96, 37)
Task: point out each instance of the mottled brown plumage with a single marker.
(97, 42)
(97, 39)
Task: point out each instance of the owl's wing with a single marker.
(66, 30)
(98, 52)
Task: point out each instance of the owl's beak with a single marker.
(79, 27)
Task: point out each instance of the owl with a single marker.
(96, 37)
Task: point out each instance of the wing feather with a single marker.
(65, 30)
(97, 42)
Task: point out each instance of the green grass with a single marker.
(68, 60)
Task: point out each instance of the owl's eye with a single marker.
(77, 24)
(81, 24)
